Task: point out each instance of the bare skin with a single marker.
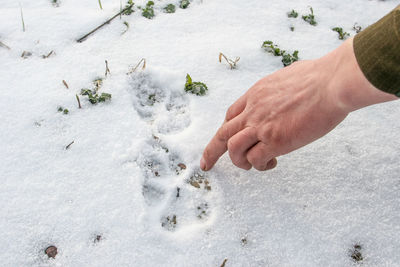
(292, 108)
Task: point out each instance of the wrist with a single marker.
(348, 86)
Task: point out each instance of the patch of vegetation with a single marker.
(55, 3)
(94, 97)
(292, 14)
(196, 88)
(287, 58)
(341, 34)
(170, 8)
(184, 4)
(63, 110)
(128, 8)
(148, 11)
(310, 18)
(355, 253)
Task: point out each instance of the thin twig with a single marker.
(49, 54)
(79, 101)
(83, 38)
(231, 62)
(143, 67)
(65, 83)
(223, 264)
(5, 46)
(67, 147)
(107, 69)
(22, 18)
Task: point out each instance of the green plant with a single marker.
(63, 110)
(148, 11)
(292, 28)
(292, 14)
(94, 97)
(197, 88)
(341, 35)
(287, 58)
(100, 4)
(127, 27)
(310, 18)
(128, 9)
(184, 4)
(170, 8)
(271, 48)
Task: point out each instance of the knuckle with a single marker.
(229, 113)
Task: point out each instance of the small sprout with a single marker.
(65, 84)
(271, 48)
(68, 146)
(232, 63)
(107, 69)
(357, 28)
(292, 28)
(55, 3)
(127, 27)
(152, 99)
(22, 18)
(100, 4)
(170, 8)
(26, 54)
(310, 18)
(342, 35)
(98, 82)
(79, 101)
(104, 96)
(184, 4)
(355, 253)
(292, 14)
(134, 69)
(63, 110)
(51, 251)
(148, 11)
(288, 59)
(197, 88)
(223, 264)
(49, 54)
(93, 99)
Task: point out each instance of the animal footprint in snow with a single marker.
(164, 107)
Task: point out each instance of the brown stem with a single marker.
(79, 101)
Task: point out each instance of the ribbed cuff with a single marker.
(377, 49)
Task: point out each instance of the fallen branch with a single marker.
(83, 38)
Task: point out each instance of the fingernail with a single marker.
(203, 164)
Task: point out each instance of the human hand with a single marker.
(291, 108)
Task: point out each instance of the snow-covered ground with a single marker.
(112, 197)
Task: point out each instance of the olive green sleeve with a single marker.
(377, 49)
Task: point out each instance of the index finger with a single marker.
(219, 143)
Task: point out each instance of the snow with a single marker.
(311, 210)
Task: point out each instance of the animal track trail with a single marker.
(177, 196)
